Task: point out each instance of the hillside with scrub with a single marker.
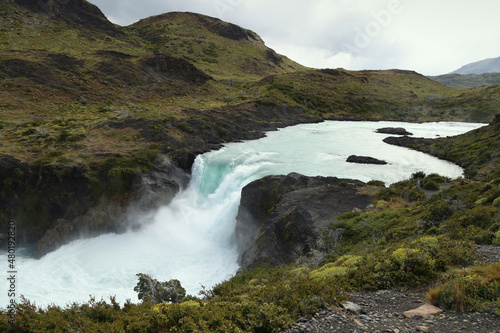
(93, 109)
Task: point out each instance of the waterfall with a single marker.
(192, 239)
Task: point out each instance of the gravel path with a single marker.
(382, 311)
(488, 254)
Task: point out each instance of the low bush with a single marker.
(430, 185)
(474, 289)
(262, 300)
(377, 183)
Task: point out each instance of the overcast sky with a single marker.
(431, 37)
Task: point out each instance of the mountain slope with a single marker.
(459, 81)
(79, 12)
(223, 50)
(491, 65)
(65, 71)
(375, 95)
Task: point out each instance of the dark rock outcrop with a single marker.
(365, 160)
(280, 215)
(227, 30)
(415, 143)
(163, 65)
(148, 191)
(35, 197)
(394, 131)
(79, 12)
(53, 205)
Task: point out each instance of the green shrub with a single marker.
(415, 195)
(418, 174)
(478, 216)
(412, 265)
(430, 185)
(328, 272)
(71, 136)
(476, 289)
(151, 290)
(185, 127)
(496, 239)
(439, 212)
(381, 204)
(293, 290)
(436, 178)
(387, 193)
(377, 183)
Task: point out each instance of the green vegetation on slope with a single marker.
(58, 70)
(376, 95)
(398, 244)
(223, 50)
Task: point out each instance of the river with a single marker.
(192, 239)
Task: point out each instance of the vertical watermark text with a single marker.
(11, 271)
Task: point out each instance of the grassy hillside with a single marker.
(391, 94)
(374, 95)
(63, 77)
(223, 50)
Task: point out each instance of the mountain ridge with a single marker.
(459, 81)
(80, 12)
(490, 65)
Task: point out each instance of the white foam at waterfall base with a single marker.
(192, 239)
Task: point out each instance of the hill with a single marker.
(491, 65)
(459, 81)
(79, 92)
(222, 50)
(66, 71)
(90, 110)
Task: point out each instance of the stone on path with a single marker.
(350, 306)
(425, 311)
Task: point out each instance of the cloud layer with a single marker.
(427, 36)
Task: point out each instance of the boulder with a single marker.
(351, 307)
(280, 216)
(393, 130)
(425, 311)
(421, 144)
(365, 160)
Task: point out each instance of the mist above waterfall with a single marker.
(192, 238)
